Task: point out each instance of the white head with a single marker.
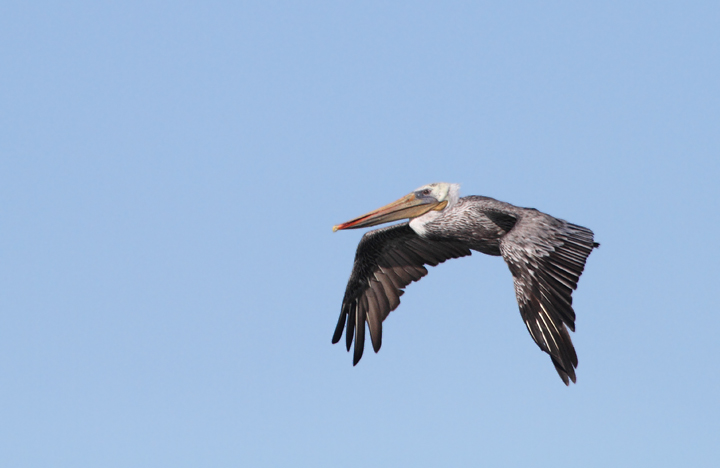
(444, 193)
(440, 191)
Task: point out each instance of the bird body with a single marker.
(546, 257)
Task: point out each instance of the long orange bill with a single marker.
(408, 206)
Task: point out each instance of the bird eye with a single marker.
(426, 192)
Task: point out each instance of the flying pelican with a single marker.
(546, 257)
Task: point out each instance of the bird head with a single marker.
(431, 197)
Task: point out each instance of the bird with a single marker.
(546, 257)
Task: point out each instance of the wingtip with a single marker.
(566, 374)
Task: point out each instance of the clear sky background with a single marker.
(170, 173)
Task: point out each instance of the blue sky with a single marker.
(171, 171)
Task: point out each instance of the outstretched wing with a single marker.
(386, 261)
(546, 257)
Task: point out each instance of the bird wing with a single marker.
(546, 257)
(386, 261)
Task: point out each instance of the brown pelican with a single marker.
(546, 257)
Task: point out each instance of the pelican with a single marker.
(546, 256)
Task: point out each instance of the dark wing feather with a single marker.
(386, 261)
(546, 257)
